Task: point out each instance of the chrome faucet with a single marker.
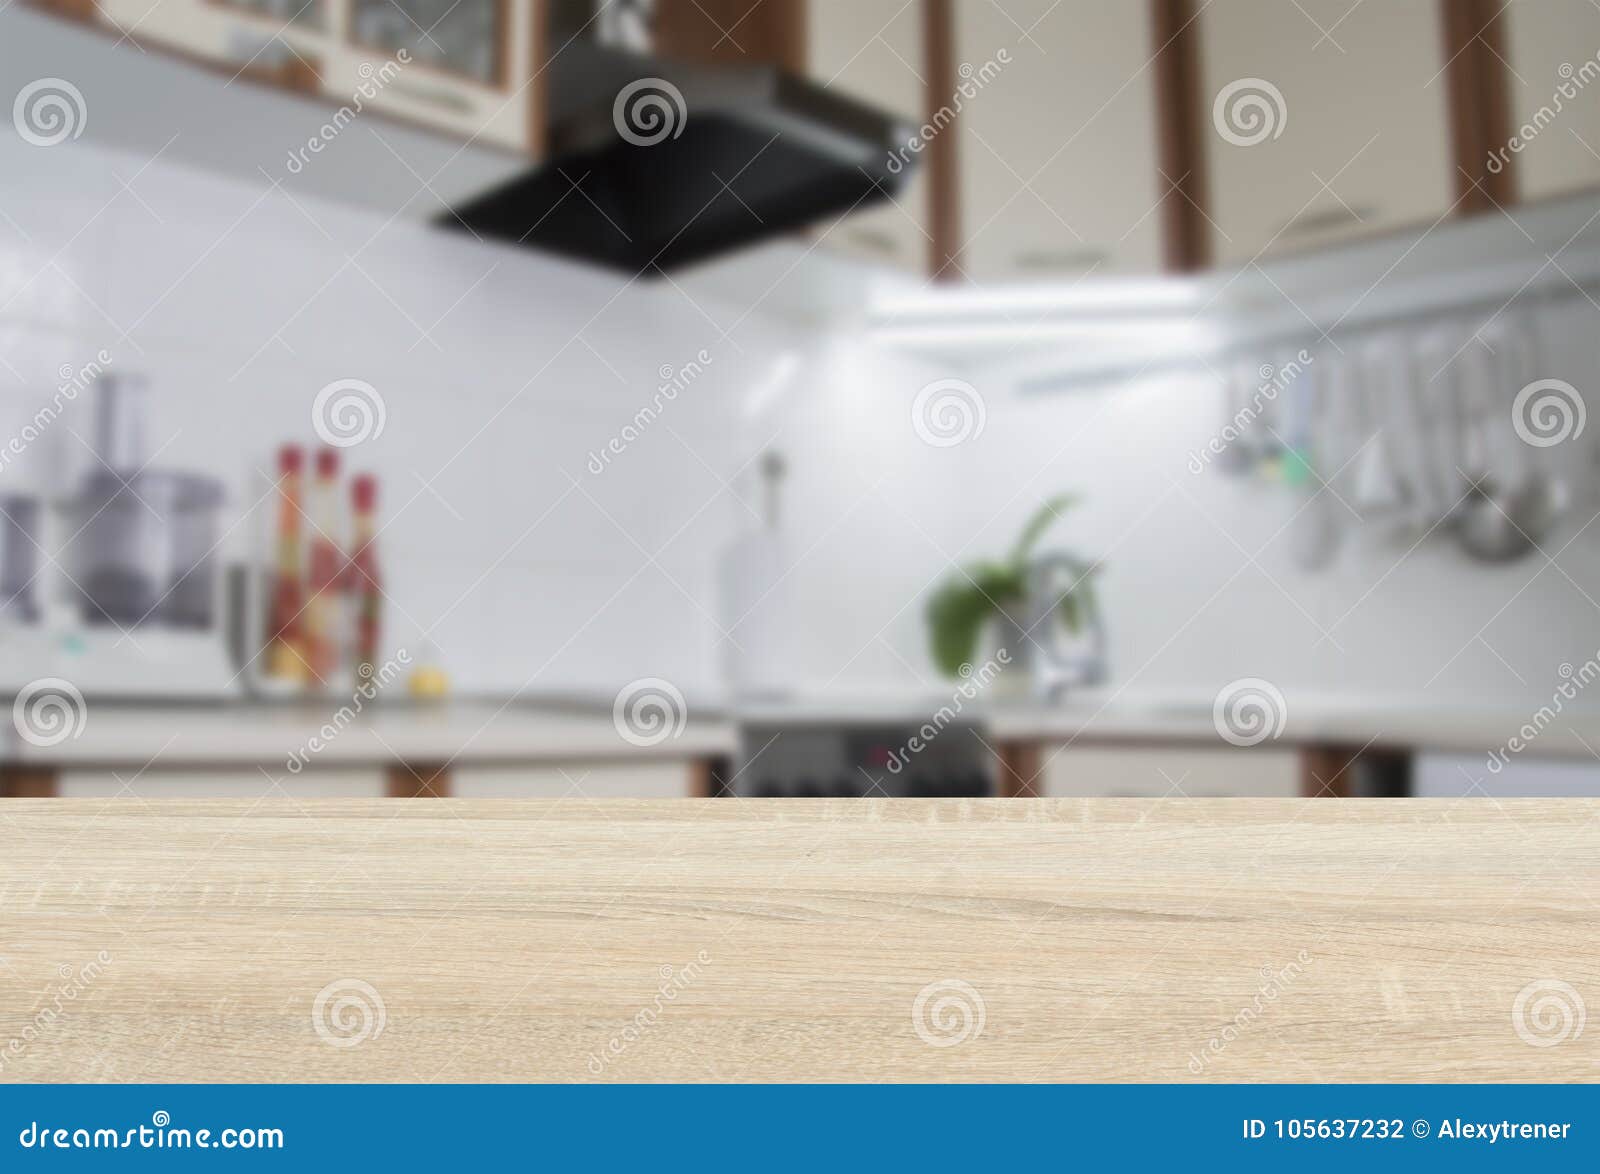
(1061, 660)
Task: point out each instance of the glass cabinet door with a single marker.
(462, 37)
(310, 14)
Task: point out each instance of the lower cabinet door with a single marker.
(574, 780)
(1457, 776)
(1174, 772)
(133, 784)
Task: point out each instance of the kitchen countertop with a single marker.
(1386, 723)
(488, 730)
(1132, 715)
(1169, 940)
(456, 731)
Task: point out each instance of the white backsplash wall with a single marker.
(501, 373)
(1199, 586)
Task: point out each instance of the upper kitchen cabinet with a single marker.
(472, 70)
(1323, 121)
(461, 38)
(264, 40)
(1553, 143)
(1059, 175)
(874, 51)
(465, 68)
(279, 104)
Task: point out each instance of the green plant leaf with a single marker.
(1044, 517)
(960, 607)
(956, 614)
(1001, 584)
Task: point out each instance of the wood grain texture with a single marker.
(412, 780)
(1182, 134)
(733, 32)
(1019, 768)
(941, 65)
(1326, 769)
(1106, 939)
(1476, 72)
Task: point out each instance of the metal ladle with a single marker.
(1507, 509)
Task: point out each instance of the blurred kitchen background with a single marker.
(799, 398)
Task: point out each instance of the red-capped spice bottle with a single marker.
(362, 579)
(326, 564)
(284, 659)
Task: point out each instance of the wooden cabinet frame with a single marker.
(1180, 134)
(944, 150)
(1480, 101)
(1478, 104)
(87, 11)
(734, 32)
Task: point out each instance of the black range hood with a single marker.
(654, 165)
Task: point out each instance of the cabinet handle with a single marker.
(436, 96)
(1053, 261)
(1327, 218)
(875, 241)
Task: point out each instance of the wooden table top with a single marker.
(422, 940)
